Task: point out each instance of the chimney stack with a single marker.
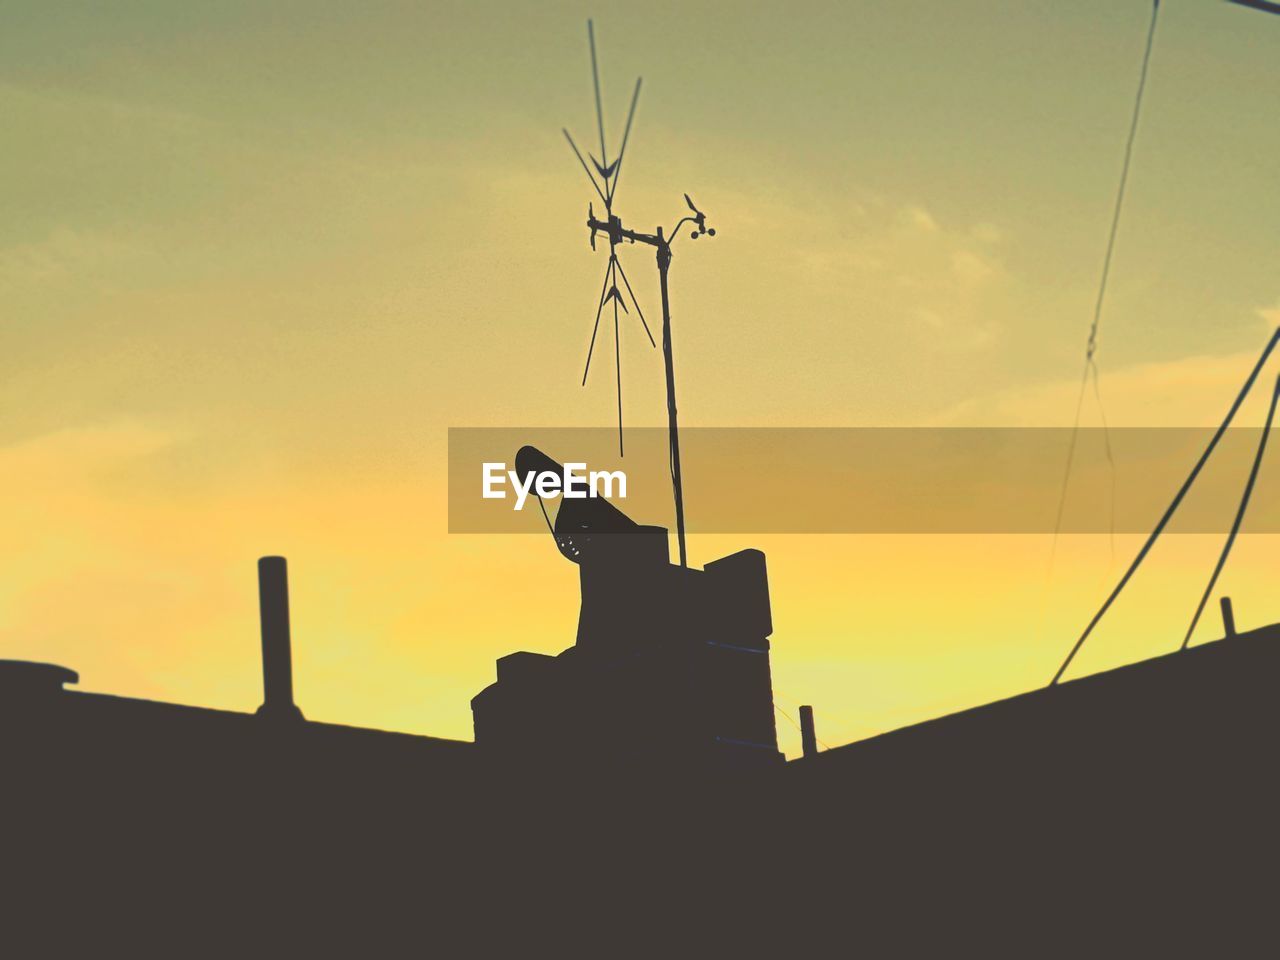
(1228, 617)
(808, 735)
(277, 658)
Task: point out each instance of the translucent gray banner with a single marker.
(879, 480)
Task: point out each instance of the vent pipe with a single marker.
(277, 657)
(808, 735)
(1228, 617)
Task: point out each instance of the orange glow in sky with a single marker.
(256, 259)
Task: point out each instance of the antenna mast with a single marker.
(613, 230)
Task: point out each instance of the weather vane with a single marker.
(606, 186)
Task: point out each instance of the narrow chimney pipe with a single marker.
(1228, 617)
(808, 735)
(277, 657)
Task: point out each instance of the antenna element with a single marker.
(604, 180)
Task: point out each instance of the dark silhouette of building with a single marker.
(629, 792)
(671, 663)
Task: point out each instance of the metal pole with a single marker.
(277, 658)
(664, 262)
(1228, 618)
(808, 733)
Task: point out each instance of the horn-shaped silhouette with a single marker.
(605, 172)
(613, 294)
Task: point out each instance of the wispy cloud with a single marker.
(1189, 392)
(65, 252)
(922, 275)
(1270, 316)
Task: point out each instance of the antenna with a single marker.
(604, 180)
(605, 187)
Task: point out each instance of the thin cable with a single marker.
(1124, 181)
(622, 273)
(546, 517)
(585, 169)
(1177, 500)
(1091, 347)
(617, 362)
(820, 741)
(1066, 473)
(1111, 460)
(604, 291)
(1244, 505)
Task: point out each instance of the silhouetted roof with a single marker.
(1167, 695)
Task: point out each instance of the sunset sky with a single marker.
(257, 258)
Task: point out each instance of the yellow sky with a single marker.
(254, 261)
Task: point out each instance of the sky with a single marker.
(257, 258)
